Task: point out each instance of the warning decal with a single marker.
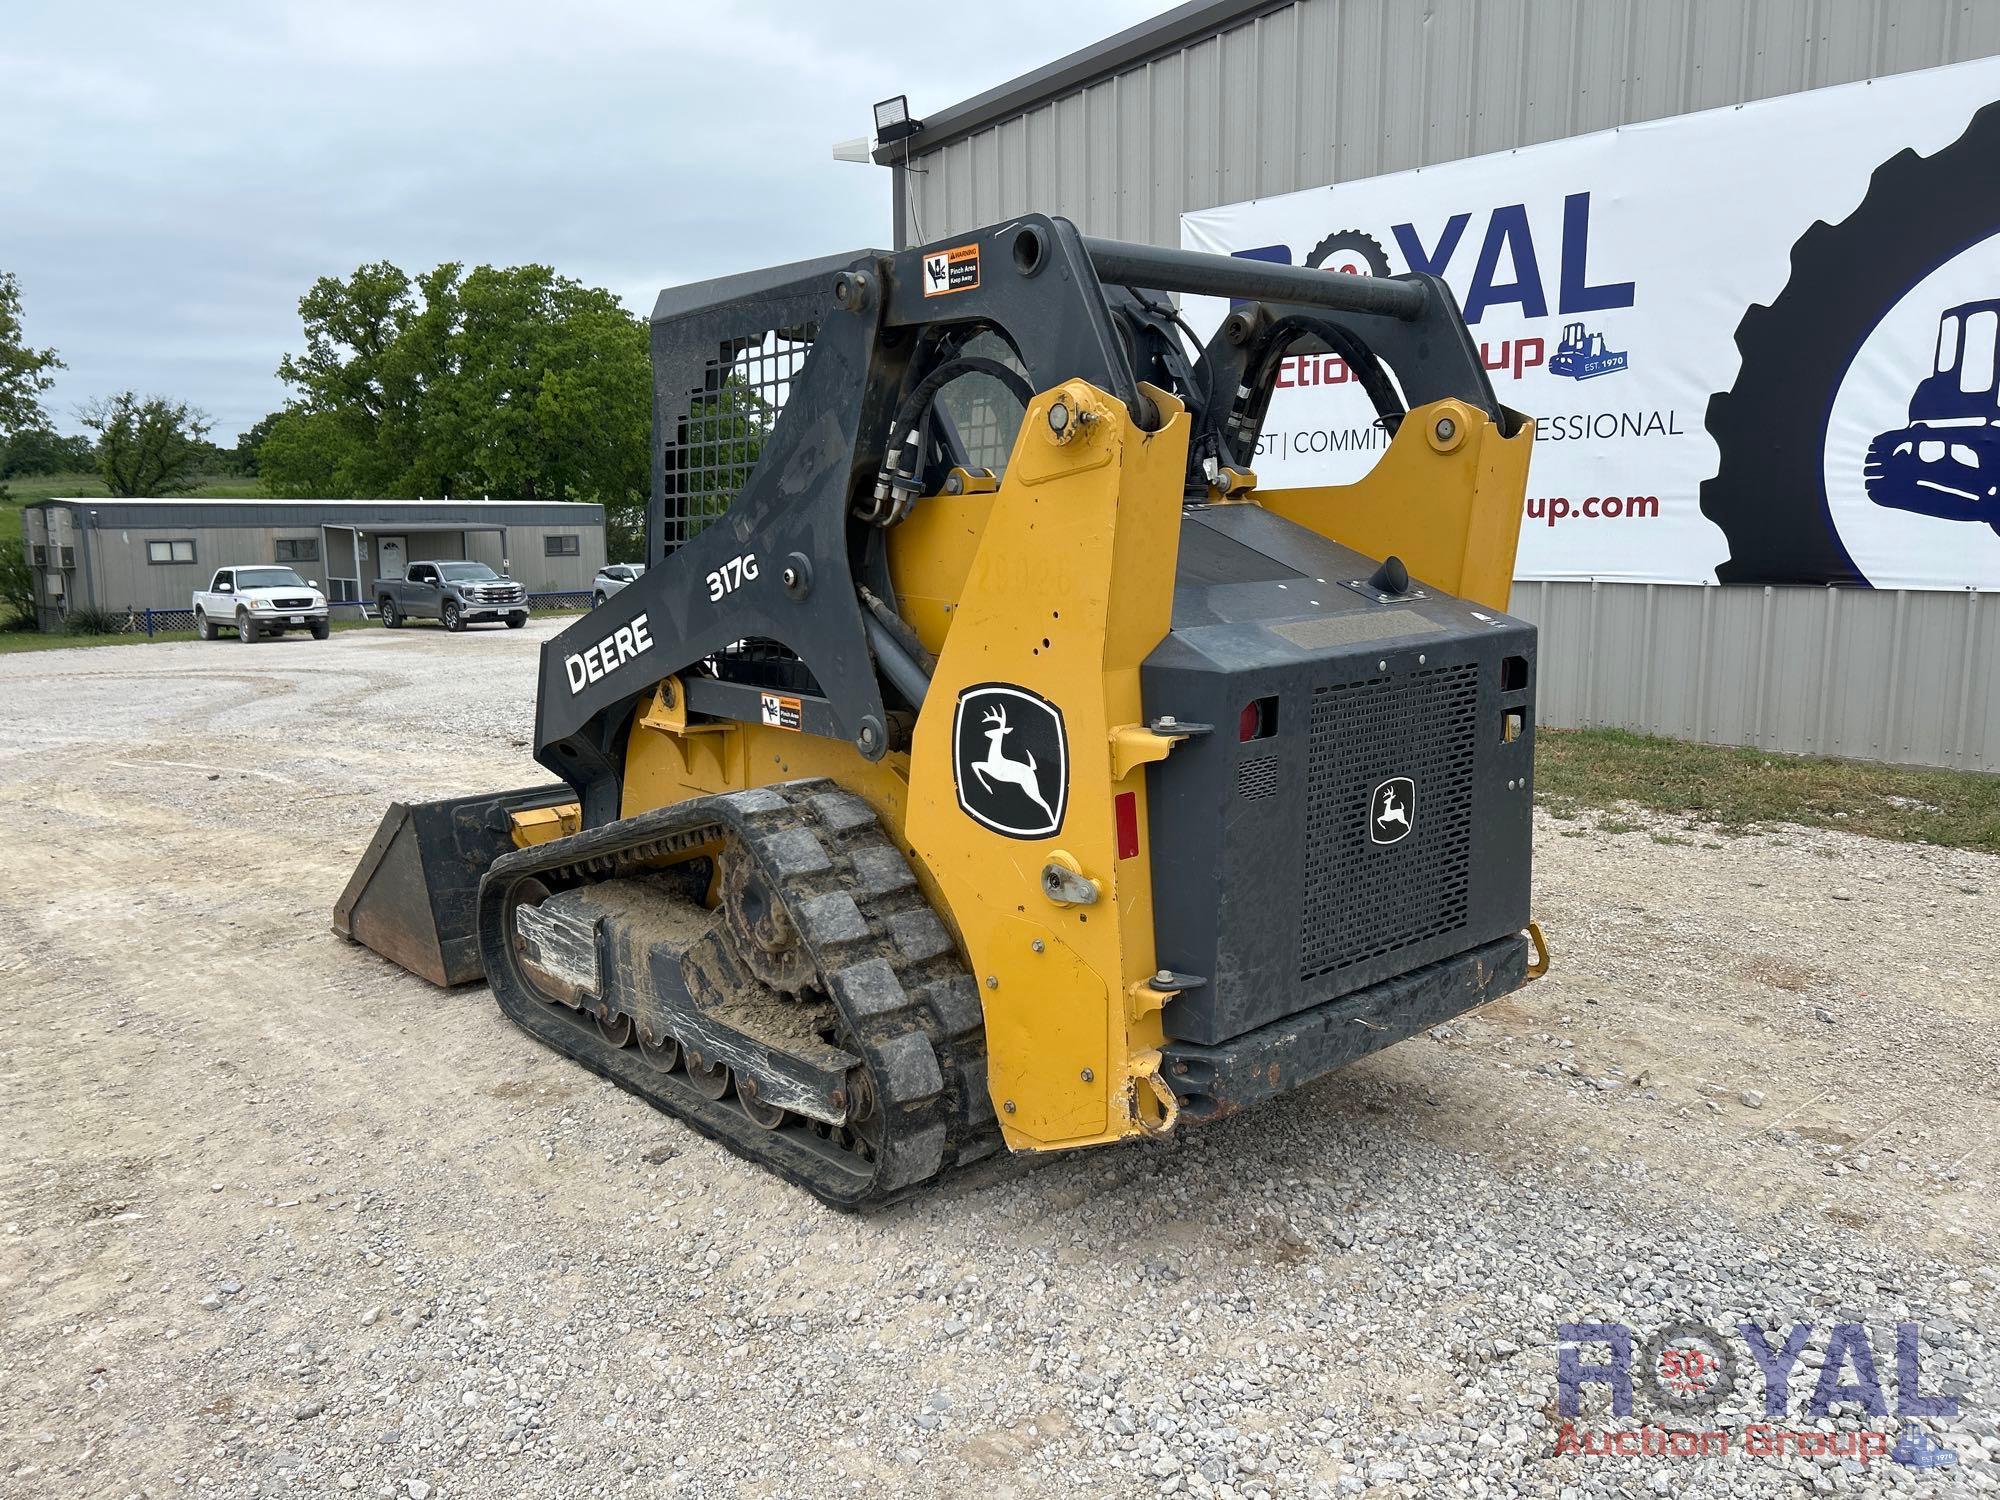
(780, 712)
(954, 270)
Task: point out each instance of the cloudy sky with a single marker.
(173, 177)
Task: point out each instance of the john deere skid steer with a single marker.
(985, 758)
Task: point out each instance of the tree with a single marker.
(548, 394)
(43, 450)
(313, 454)
(373, 350)
(509, 381)
(24, 373)
(246, 458)
(17, 585)
(149, 447)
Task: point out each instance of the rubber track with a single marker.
(911, 1008)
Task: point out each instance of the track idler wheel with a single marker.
(763, 1116)
(614, 1026)
(710, 1080)
(531, 892)
(662, 1052)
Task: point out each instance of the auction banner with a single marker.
(1758, 343)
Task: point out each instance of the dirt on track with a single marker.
(278, 1218)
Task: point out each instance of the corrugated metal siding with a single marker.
(1873, 674)
(1326, 90)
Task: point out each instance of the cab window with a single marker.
(224, 583)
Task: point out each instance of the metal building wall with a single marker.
(556, 575)
(1312, 92)
(1271, 98)
(1873, 674)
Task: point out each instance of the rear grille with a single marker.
(1364, 900)
(1257, 779)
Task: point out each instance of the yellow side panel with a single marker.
(1071, 587)
(929, 556)
(1449, 507)
(1060, 582)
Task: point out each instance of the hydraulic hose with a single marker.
(1359, 357)
(894, 488)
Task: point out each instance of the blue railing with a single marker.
(158, 621)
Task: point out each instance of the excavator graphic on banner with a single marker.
(1946, 462)
(1582, 355)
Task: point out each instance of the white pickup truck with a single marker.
(259, 602)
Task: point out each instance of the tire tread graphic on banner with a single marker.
(1364, 246)
(1769, 494)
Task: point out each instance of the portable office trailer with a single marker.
(134, 555)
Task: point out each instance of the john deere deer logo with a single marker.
(996, 766)
(1010, 760)
(1393, 803)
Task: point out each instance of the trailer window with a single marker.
(568, 545)
(297, 549)
(169, 551)
(1975, 364)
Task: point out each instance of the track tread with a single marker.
(872, 935)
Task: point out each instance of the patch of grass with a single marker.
(37, 640)
(1743, 789)
(55, 640)
(84, 620)
(25, 489)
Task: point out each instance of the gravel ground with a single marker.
(278, 1219)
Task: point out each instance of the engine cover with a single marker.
(1363, 803)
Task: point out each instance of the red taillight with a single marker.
(1259, 719)
(1126, 807)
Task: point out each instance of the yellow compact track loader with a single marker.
(984, 757)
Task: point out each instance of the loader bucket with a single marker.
(414, 898)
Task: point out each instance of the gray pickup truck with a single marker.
(456, 593)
